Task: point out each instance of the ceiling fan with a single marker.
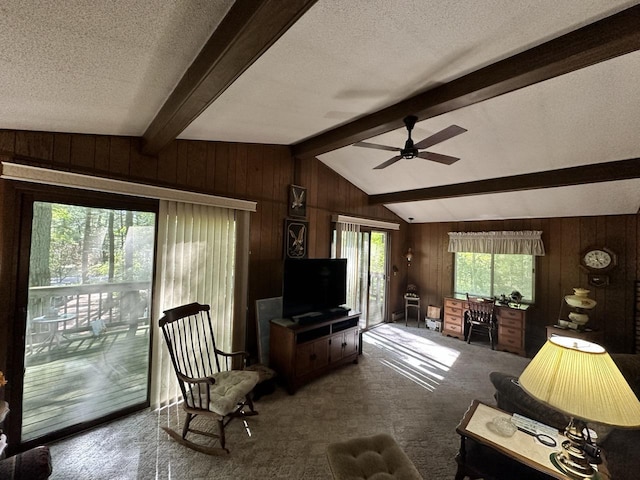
(412, 150)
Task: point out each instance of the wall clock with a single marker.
(597, 261)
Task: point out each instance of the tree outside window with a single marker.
(491, 275)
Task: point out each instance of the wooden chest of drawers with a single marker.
(511, 330)
(453, 320)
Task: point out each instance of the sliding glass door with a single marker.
(366, 254)
(377, 266)
(87, 338)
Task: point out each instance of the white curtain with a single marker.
(348, 246)
(195, 263)
(519, 242)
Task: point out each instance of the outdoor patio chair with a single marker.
(207, 389)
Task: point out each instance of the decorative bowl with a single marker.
(503, 426)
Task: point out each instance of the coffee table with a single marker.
(484, 453)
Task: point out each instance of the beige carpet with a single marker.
(411, 383)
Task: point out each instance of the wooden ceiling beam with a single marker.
(247, 31)
(600, 41)
(563, 177)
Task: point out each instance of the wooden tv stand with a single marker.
(300, 353)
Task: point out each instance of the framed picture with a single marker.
(295, 238)
(297, 201)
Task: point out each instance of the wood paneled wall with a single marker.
(557, 273)
(248, 171)
(263, 173)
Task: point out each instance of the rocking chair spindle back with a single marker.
(206, 389)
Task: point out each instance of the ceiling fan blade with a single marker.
(391, 161)
(440, 136)
(438, 157)
(376, 146)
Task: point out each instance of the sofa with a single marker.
(620, 446)
(34, 464)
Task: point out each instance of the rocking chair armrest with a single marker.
(207, 380)
(232, 354)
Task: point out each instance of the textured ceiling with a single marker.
(96, 67)
(107, 67)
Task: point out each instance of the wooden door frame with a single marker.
(20, 227)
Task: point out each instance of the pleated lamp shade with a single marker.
(580, 379)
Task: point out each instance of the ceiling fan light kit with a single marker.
(411, 150)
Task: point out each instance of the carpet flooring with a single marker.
(411, 383)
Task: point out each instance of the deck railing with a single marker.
(111, 304)
(377, 286)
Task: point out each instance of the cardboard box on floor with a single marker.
(433, 318)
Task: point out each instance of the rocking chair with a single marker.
(206, 389)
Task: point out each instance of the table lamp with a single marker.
(581, 304)
(580, 379)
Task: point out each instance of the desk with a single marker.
(512, 321)
(53, 322)
(484, 453)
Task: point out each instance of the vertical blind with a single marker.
(348, 246)
(195, 263)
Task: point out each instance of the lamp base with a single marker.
(572, 469)
(572, 459)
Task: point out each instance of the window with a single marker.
(495, 263)
(489, 275)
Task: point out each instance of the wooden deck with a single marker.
(84, 379)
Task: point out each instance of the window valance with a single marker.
(365, 222)
(522, 242)
(49, 176)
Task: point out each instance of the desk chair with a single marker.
(480, 317)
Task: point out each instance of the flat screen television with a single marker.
(313, 285)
